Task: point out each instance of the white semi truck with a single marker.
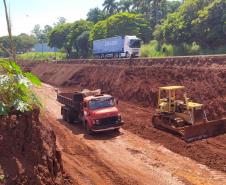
(117, 47)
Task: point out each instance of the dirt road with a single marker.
(120, 159)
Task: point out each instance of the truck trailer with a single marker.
(96, 111)
(117, 47)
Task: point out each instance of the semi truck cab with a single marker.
(132, 46)
(117, 47)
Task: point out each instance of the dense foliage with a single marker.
(95, 15)
(167, 27)
(199, 21)
(16, 88)
(122, 24)
(60, 37)
(47, 56)
(65, 36)
(23, 43)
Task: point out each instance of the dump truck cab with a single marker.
(101, 113)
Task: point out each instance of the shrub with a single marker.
(151, 50)
(48, 56)
(16, 92)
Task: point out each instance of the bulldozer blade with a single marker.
(205, 130)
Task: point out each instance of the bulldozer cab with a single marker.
(169, 102)
(167, 98)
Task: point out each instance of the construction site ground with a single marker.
(140, 154)
(126, 158)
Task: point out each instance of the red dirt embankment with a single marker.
(137, 82)
(28, 152)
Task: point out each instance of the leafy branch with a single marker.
(16, 89)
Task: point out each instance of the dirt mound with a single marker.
(28, 151)
(140, 84)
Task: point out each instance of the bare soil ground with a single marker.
(124, 158)
(28, 152)
(136, 83)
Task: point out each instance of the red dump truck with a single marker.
(96, 111)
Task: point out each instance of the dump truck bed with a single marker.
(65, 99)
(72, 100)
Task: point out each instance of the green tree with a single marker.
(37, 31)
(178, 27)
(41, 34)
(122, 24)
(83, 44)
(110, 6)
(95, 15)
(60, 20)
(47, 29)
(64, 36)
(60, 37)
(155, 10)
(25, 42)
(99, 31)
(125, 5)
(210, 25)
(79, 27)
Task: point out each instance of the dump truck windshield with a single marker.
(101, 103)
(135, 43)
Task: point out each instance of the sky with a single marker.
(25, 14)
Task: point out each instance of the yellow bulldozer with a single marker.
(183, 116)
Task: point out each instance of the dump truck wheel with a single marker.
(64, 116)
(70, 118)
(88, 130)
(64, 113)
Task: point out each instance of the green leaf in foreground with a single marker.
(3, 109)
(16, 88)
(33, 78)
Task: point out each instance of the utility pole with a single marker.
(9, 27)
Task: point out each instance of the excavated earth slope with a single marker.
(28, 152)
(137, 82)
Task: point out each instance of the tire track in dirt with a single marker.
(121, 159)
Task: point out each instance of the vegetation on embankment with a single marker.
(16, 92)
(47, 56)
(155, 49)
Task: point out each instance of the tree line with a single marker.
(116, 18)
(170, 27)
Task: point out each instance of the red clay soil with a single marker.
(28, 152)
(137, 83)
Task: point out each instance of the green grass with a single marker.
(151, 50)
(49, 56)
(155, 49)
